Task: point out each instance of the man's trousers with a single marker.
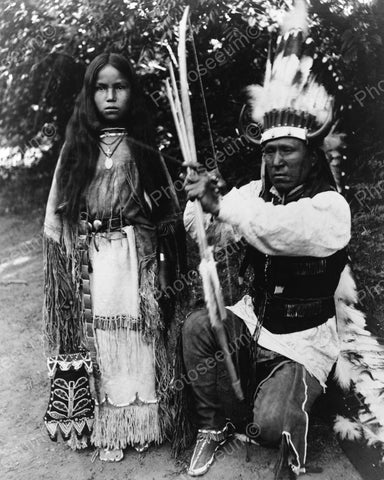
(279, 390)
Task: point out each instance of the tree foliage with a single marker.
(46, 45)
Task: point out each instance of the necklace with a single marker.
(110, 144)
(112, 132)
(109, 152)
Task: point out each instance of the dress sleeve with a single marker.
(317, 226)
(62, 302)
(53, 224)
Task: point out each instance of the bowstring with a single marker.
(203, 95)
(205, 108)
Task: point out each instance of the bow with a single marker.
(181, 111)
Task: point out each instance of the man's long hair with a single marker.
(80, 151)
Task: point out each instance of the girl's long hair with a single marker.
(80, 151)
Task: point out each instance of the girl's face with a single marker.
(112, 94)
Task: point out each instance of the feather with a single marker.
(377, 418)
(343, 372)
(268, 66)
(256, 100)
(373, 437)
(296, 18)
(346, 428)
(360, 365)
(294, 44)
(367, 419)
(356, 318)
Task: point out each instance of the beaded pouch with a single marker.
(70, 409)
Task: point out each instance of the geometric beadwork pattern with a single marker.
(69, 361)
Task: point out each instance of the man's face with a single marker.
(288, 163)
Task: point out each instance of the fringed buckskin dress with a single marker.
(114, 309)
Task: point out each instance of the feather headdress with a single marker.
(291, 102)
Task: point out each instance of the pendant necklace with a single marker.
(109, 152)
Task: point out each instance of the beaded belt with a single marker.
(287, 315)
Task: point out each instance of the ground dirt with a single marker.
(26, 453)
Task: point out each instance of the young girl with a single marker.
(106, 243)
